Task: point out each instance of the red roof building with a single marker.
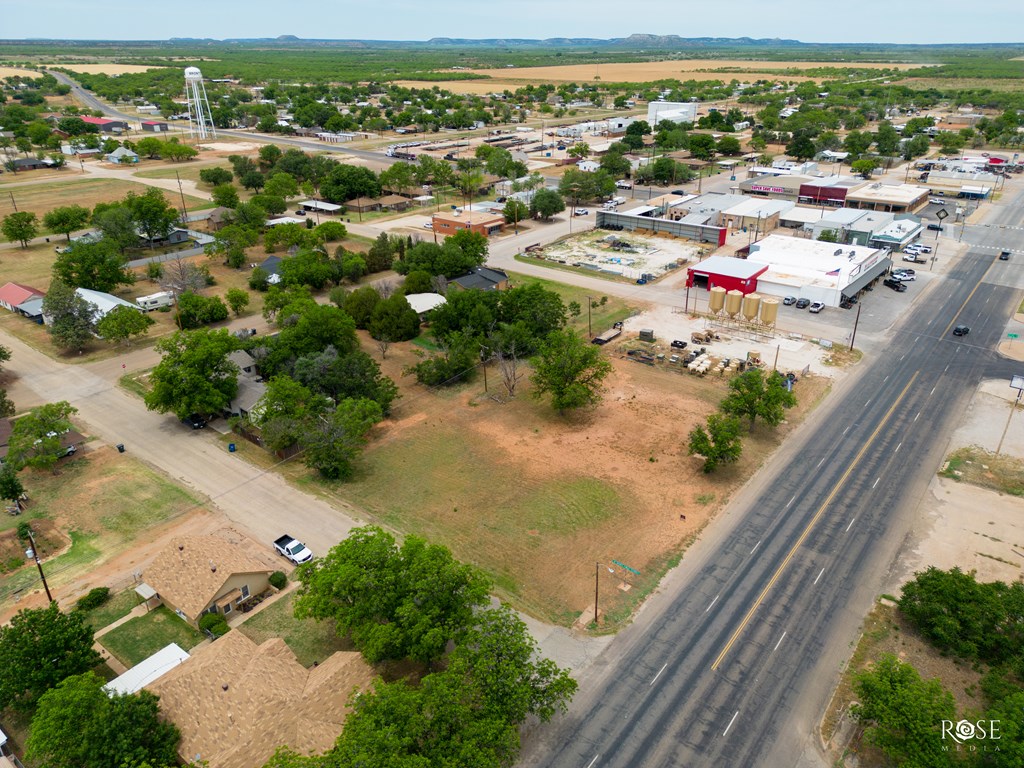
(13, 294)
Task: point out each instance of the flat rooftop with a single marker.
(798, 261)
(888, 193)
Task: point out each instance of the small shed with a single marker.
(155, 126)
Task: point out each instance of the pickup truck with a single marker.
(293, 549)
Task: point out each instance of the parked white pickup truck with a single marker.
(293, 549)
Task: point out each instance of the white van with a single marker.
(155, 301)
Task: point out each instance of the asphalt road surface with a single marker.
(732, 664)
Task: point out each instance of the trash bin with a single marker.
(120, 447)
(231, 447)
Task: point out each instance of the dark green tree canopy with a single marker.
(194, 374)
(38, 649)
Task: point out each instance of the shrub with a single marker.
(278, 580)
(154, 270)
(214, 623)
(94, 599)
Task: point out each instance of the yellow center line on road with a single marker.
(811, 524)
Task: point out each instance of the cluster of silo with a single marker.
(750, 307)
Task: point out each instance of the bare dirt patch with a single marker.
(109, 69)
(18, 72)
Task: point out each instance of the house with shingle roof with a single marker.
(236, 702)
(194, 575)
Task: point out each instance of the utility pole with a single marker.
(13, 202)
(184, 213)
(856, 320)
(39, 565)
(590, 330)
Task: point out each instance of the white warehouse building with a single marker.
(676, 111)
(816, 270)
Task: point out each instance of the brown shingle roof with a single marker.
(236, 702)
(192, 569)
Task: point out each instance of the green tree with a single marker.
(11, 488)
(352, 375)
(1010, 714)
(719, 443)
(35, 439)
(195, 310)
(38, 649)
(72, 318)
(753, 394)
(393, 320)
(67, 219)
(121, 324)
(282, 185)
(330, 231)
(194, 375)
(153, 215)
(702, 146)
(395, 602)
(360, 303)
(332, 444)
(729, 146)
(177, 152)
(225, 195)
(230, 242)
(570, 370)
(887, 139)
(150, 147)
(94, 265)
(829, 236)
(117, 225)
(801, 145)
(864, 167)
(78, 724)
(903, 713)
(417, 282)
(515, 212)
(20, 227)
(217, 176)
(237, 299)
(353, 267)
(546, 203)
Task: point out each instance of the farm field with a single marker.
(108, 69)
(40, 198)
(682, 69)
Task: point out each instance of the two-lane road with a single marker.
(714, 677)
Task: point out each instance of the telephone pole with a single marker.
(39, 565)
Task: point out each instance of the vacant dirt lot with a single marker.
(40, 198)
(536, 499)
(642, 72)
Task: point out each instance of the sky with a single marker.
(883, 21)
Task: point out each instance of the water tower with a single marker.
(200, 121)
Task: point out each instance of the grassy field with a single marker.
(141, 637)
(985, 469)
(40, 198)
(310, 640)
(188, 171)
(116, 607)
(602, 316)
(103, 501)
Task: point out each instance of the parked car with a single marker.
(300, 213)
(936, 201)
(1004, 256)
(895, 284)
(195, 421)
(582, 212)
(680, 192)
(913, 259)
(816, 307)
(903, 276)
(428, 225)
(961, 330)
(935, 227)
(803, 303)
(924, 248)
(789, 300)
(293, 549)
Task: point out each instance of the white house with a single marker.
(588, 166)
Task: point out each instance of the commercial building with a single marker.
(725, 272)
(830, 191)
(774, 187)
(676, 111)
(105, 124)
(895, 198)
(693, 227)
(486, 224)
(970, 184)
(819, 271)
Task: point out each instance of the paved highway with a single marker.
(732, 664)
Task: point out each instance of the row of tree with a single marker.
(974, 621)
(415, 601)
(752, 394)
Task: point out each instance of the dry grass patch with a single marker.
(40, 198)
(986, 469)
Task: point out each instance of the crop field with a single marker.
(649, 71)
(107, 69)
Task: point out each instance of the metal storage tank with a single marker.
(769, 311)
(717, 299)
(751, 303)
(733, 302)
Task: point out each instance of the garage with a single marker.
(725, 272)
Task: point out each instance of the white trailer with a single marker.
(155, 301)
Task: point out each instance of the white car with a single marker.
(582, 212)
(429, 225)
(816, 307)
(936, 201)
(903, 276)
